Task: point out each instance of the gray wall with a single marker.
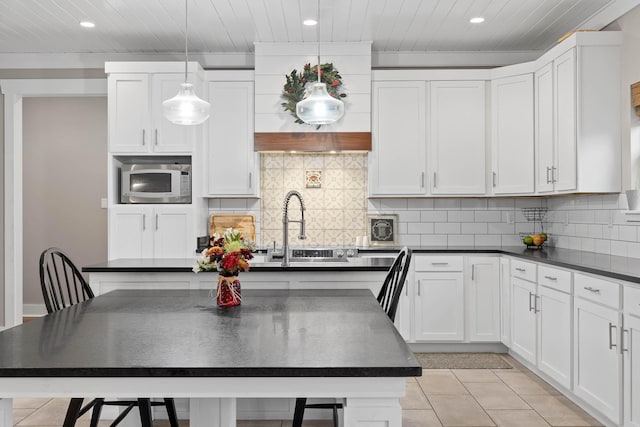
(64, 173)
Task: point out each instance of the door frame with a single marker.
(14, 90)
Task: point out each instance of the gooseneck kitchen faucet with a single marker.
(285, 224)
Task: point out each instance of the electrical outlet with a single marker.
(566, 219)
(510, 219)
(610, 220)
(103, 203)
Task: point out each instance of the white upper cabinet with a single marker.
(229, 142)
(397, 163)
(457, 137)
(577, 104)
(512, 135)
(136, 120)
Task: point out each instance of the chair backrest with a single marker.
(61, 281)
(389, 294)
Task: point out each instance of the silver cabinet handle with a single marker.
(406, 287)
(590, 289)
(156, 221)
(249, 179)
(144, 222)
(473, 272)
(624, 331)
(553, 174)
(435, 183)
(439, 263)
(548, 179)
(551, 278)
(419, 287)
(535, 304)
(156, 136)
(144, 136)
(493, 178)
(530, 306)
(611, 328)
(521, 270)
(422, 180)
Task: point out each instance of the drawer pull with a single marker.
(551, 278)
(439, 263)
(530, 305)
(590, 289)
(625, 331)
(521, 270)
(535, 304)
(611, 328)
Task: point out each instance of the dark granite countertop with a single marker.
(168, 333)
(616, 267)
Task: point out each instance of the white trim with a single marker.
(34, 310)
(14, 91)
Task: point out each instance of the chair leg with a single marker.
(171, 412)
(144, 405)
(298, 414)
(95, 414)
(73, 411)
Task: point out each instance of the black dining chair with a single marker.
(63, 286)
(388, 298)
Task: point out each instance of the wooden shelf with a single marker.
(312, 141)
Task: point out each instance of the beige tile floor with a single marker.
(441, 397)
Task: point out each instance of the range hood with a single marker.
(276, 130)
(312, 141)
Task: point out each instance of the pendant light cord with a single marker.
(318, 33)
(186, 38)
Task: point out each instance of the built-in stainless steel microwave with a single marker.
(155, 183)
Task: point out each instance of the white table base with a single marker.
(369, 401)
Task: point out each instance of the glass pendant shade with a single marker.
(320, 108)
(186, 108)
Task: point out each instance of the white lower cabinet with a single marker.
(631, 354)
(597, 360)
(523, 319)
(483, 299)
(554, 334)
(137, 231)
(404, 313)
(505, 301)
(439, 306)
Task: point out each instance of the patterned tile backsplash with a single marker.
(335, 211)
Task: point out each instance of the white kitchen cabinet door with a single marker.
(167, 137)
(631, 353)
(483, 299)
(173, 232)
(397, 162)
(564, 71)
(130, 232)
(232, 164)
(554, 334)
(128, 110)
(512, 112)
(544, 134)
(457, 137)
(439, 307)
(597, 360)
(523, 319)
(505, 301)
(403, 313)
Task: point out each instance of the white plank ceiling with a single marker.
(157, 26)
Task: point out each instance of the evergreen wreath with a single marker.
(294, 89)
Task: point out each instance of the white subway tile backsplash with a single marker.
(511, 240)
(392, 205)
(409, 216)
(500, 228)
(447, 228)
(473, 204)
(595, 231)
(501, 204)
(488, 216)
(619, 248)
(433, 216)
(461, 240)
(587, 244)
(420, 228)
(433, 240)
(474, 228)
(410, 240)
(447, 204)
(421, 204)
(488, 240)
(603, 246)
(628, 233)
(460, 216)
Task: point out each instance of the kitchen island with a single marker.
(177, 343)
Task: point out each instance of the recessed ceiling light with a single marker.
(87, 24)
(310, 22)
(477, 20)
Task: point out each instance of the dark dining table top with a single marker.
(182, 333)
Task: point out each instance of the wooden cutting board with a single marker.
(218, 223)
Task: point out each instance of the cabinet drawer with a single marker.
(523, 270)
(597, 290)
(554, 278)
(438, 263)
(632, 300)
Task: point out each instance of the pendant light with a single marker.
(319, 108)
(186, 108)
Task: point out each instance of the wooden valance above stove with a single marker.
(312, 141)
